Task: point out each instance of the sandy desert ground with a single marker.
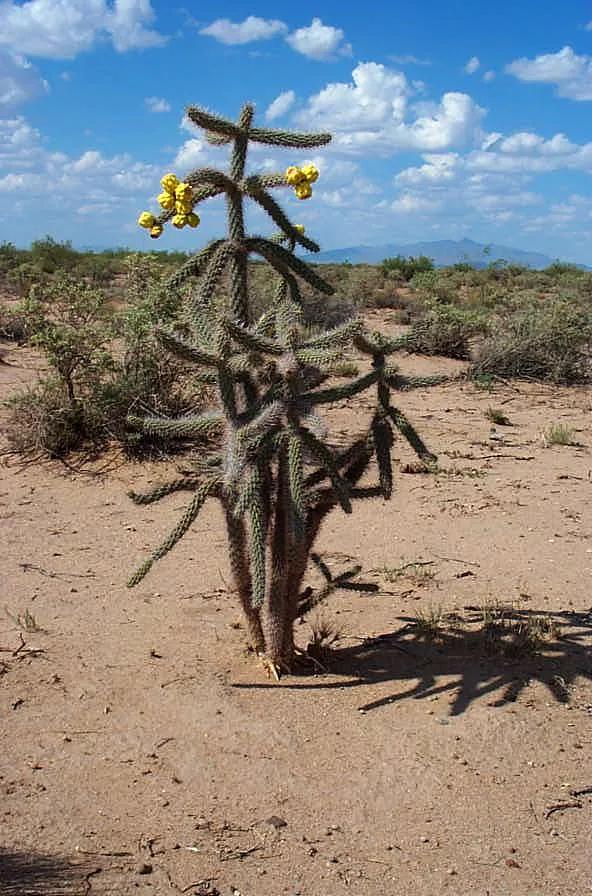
(143, 751)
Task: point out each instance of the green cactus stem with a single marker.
(264, 455)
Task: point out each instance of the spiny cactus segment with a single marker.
(272, 466)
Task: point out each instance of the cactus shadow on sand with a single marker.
(466, 659)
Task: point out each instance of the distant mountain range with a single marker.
(442, 253)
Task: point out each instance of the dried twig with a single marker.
(581, 791)
(559, 807)
(56, 575)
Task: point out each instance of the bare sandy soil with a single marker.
(143, 751)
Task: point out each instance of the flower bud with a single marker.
(166, 200)
(180, 221)
(169, 183)
(184, 192)
(147, 220)
(156, 231)
(183, 206)
(311, 173)
(303, 190)
(294, 176)
(193, 219)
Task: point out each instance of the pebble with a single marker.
(144, 868)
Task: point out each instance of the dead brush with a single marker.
(507, 631)
(428, 623)
(25, 621)
(325, 635)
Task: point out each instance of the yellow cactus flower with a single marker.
(147, 220)
(303, 190)
(193, 219)
(300, 228)
(169, 183)
(183, 206)
(156, 231)
(311, 173)
(180, 221)
(166, 200)
(294, 176)
(184, 192)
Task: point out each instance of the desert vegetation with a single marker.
(504, 321)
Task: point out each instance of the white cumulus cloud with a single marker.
(569, 73)
(61, 29)
(472, 65)
(281, 104)
(253, 28)
(19, 81)
(157, 104)
(372, 115)
(318, 41)
(410, 203)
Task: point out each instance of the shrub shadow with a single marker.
(466, 657)
(25, 873)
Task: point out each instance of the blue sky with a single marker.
(449, 120)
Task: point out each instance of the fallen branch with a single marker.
(56, 575)
(581, 791)
(559, 807)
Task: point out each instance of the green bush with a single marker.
(49, 255)
(447, 330)
(549, 340)
(407, 267)
(102, 365)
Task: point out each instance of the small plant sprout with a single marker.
(558, 434)
(497, 417)
(272, 464)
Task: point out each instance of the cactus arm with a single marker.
(202, 493)
(182, 428)
(194, 265)
(288, 138)
(184, 483)
(187, 350)
(268, 203)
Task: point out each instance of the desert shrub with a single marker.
(543, 341)
(68, 321)
(446, 330)
(10, 258)
(42, 420)
(435, 286)
(144, 377)
(13, 323)
(101, 366)
(407, 267)
(21, 278)
(49, 255)
(559, 268)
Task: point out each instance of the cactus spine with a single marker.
(276, 475)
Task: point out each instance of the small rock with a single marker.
(512, 863)
(276, 822)
(452, 871)
(424, 839)
(144, 868)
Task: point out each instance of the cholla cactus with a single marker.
(276, 473)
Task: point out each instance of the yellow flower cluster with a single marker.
(177, 196)
(301, 179)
